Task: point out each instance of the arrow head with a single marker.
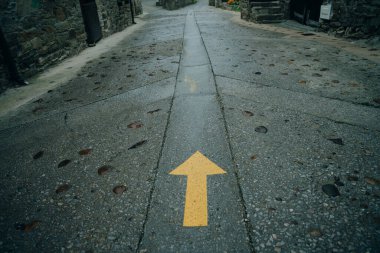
(197, 164)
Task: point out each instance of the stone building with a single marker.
(41, 33)
(174, 4)
(354, 19)
(349, 18)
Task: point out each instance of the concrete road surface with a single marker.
(278, 134)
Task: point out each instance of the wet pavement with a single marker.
(293, 120)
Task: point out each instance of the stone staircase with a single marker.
(266, 11)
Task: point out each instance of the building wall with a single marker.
(41, 33)
(138, 7)
(113, 17)
(354, 19)
(245, 10)
(175, 4)
(351, 18)
(285, 4)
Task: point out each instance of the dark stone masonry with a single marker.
(357, 19)
(41, 33)
(354, 19)
(174, 4)
(3, 74)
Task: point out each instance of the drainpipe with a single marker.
(132, 12)
(9, 61)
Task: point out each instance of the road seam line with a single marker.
(304, 113)
(139, 244)
(48, 115)
(247, 222)
(299, 92)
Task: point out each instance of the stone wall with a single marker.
(4, 84)
(351, 18)
(354, 19)
(41, 33)
(115, 16)
(245, 9)
(175, 4)
(285, 4)
(261, 11)
(138, 7)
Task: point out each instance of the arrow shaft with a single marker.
(195, 213)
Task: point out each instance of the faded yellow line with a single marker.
(192, 83)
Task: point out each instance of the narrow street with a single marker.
(291, 119)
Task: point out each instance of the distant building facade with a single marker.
(355, 19)
(174, 4)
(40, 33)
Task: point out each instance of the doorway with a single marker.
(91, 21)
(306, 11)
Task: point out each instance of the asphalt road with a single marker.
(292, 120)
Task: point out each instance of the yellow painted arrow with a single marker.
(196, 168)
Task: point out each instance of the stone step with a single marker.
(267, 18)
(268, 10)
(269, 21)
